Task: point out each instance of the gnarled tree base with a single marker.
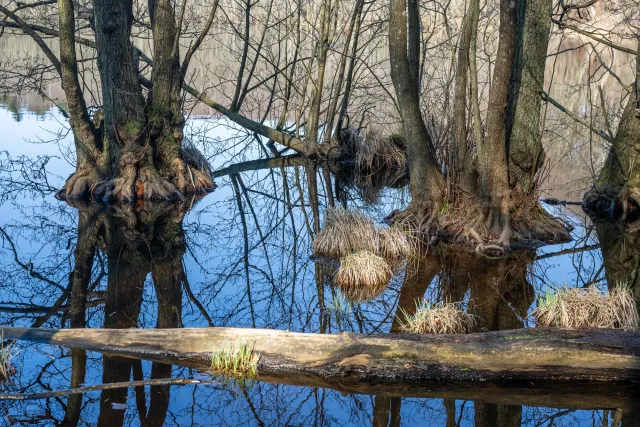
(133, 182)
(485, 228)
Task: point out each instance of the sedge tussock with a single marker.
(580, 307)
(240, 362)
(376, 153)
(395, 244)
(345, 232)
(440, 318)
(7, 353)
(363, 276)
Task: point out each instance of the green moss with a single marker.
(399, 356)
(130, 130)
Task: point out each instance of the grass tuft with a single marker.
(440, 318)
(340, 307)
(363, 276)
(376, 153)
(580, 307)
(238, 362)
(346, 232)
(7, 353)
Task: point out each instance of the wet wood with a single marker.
(549, 367)
(514, 355)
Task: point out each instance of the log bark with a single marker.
(540, 354)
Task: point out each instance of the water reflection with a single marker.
(241, 257)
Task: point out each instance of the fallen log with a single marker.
(514, 355)
(587, 369)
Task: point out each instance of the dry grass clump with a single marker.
(7, 353)
(376, 153)
(363, 275)
(440, 318)
(579, 307)
(239, 362)
(345, 232)
(395, 244)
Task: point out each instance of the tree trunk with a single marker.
(524, 136)
(312, 128)
(166, 118)
(492, 154)
(89, 158)
(462, 166)
(616, 194)
(426, 180)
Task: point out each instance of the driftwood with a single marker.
(591, 368)
(514, 355)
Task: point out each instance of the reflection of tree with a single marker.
(500, 296)
(288, 290)
(620, 254)
(137, 242)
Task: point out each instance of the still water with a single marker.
(242, 257)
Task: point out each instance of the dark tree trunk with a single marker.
(616, 194)
(462, 162)
(133, 149)
(89, 158)
(426, 180)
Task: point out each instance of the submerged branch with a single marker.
(98, 387)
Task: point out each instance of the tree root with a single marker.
(190, 180)
(78, 185)
(121, 188)
(489, 231)
(151, 186)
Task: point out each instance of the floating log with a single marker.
(514, 355)
(587, 368)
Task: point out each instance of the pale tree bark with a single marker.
(524, 136)
(344, 104)
(354, 28)
(312, 128)
(492, 155)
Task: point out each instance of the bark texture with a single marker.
(492, 155)
(514, 355)
(426, 180)
(526, 154)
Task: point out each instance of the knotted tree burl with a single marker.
(132, 148)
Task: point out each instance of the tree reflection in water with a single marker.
(241, 258)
